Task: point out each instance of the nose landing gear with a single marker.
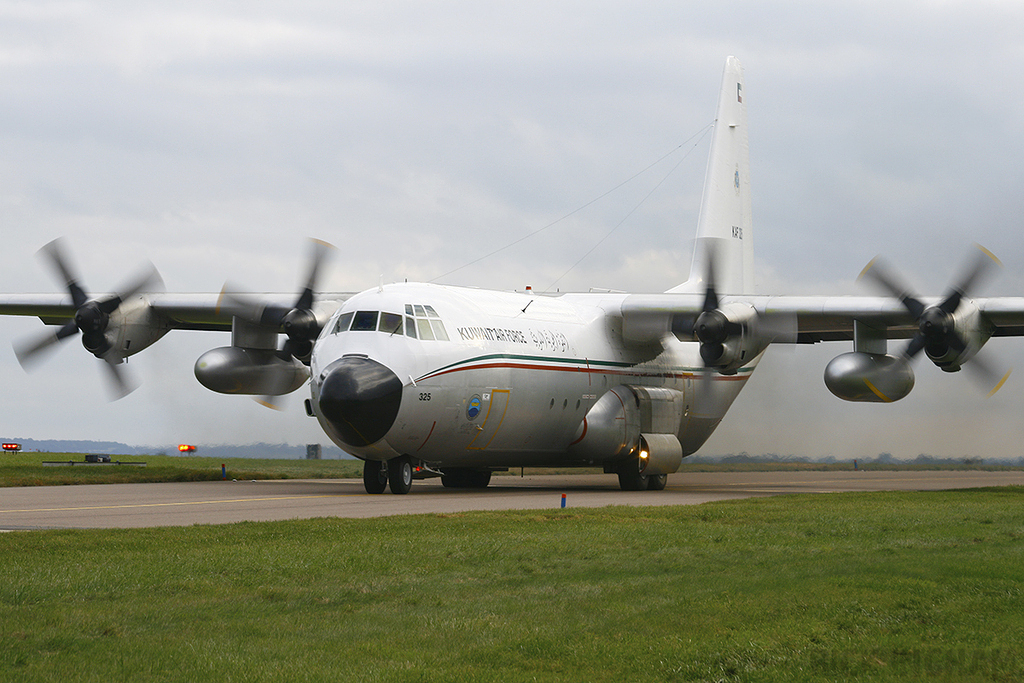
(397, 471)
(400, 474)
(375, 476)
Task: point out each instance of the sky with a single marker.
(212, 138)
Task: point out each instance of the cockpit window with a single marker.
(344, 320)
(425, 323)
(419, 322)
(439, 332)
(423, 327)
(364, 321)
(390, 323)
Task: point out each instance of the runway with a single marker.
(224, 502)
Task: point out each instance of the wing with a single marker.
(733, 330)
(253, 364)
(115, 326)
(784, 319)
(170, 311)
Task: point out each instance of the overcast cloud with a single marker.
(213, 137)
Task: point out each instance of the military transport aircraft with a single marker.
(426, 380)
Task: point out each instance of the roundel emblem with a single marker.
(474, 408)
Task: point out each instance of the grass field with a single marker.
(862, 587)
(26, 469)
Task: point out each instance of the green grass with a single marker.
(26, 469)
(862, 587)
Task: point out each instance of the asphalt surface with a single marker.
(223, 502)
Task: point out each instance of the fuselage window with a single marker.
(364, 321)
(390, 323)
(344, 320)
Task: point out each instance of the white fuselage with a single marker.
(508, 377)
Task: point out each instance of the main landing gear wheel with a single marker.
(630, 478)
(465, 478)
(656, 482)
(400, 474)
(375, 476)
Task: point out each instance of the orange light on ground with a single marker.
(186, 448)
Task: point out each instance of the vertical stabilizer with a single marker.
(724, 229)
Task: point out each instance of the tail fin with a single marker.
(724, 229)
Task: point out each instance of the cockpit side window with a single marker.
(439, 332)
(422, 321)
(344, 320)
(423, 327)
(364, 321)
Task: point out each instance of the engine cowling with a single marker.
(869, 377)
(729, 337)
(239, 370)
(135, 327)
(960, 335)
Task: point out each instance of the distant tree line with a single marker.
(257, 450)
(882, 459)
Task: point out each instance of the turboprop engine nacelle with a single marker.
(957, 337)
(871, 377)
(134, 327)
(729, 337)
(238, 370)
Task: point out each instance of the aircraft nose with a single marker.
(360, 397)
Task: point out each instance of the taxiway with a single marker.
(224, 502)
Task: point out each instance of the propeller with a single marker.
(712, 327)
(91, 318)
(298, 322)
(937, 332)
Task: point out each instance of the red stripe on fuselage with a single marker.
(588, 370)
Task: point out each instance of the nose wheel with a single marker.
(375, 476)
(397, 471)
(400, 474)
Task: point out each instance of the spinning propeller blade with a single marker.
(91, 318)
(299, 322)
(936, 324)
